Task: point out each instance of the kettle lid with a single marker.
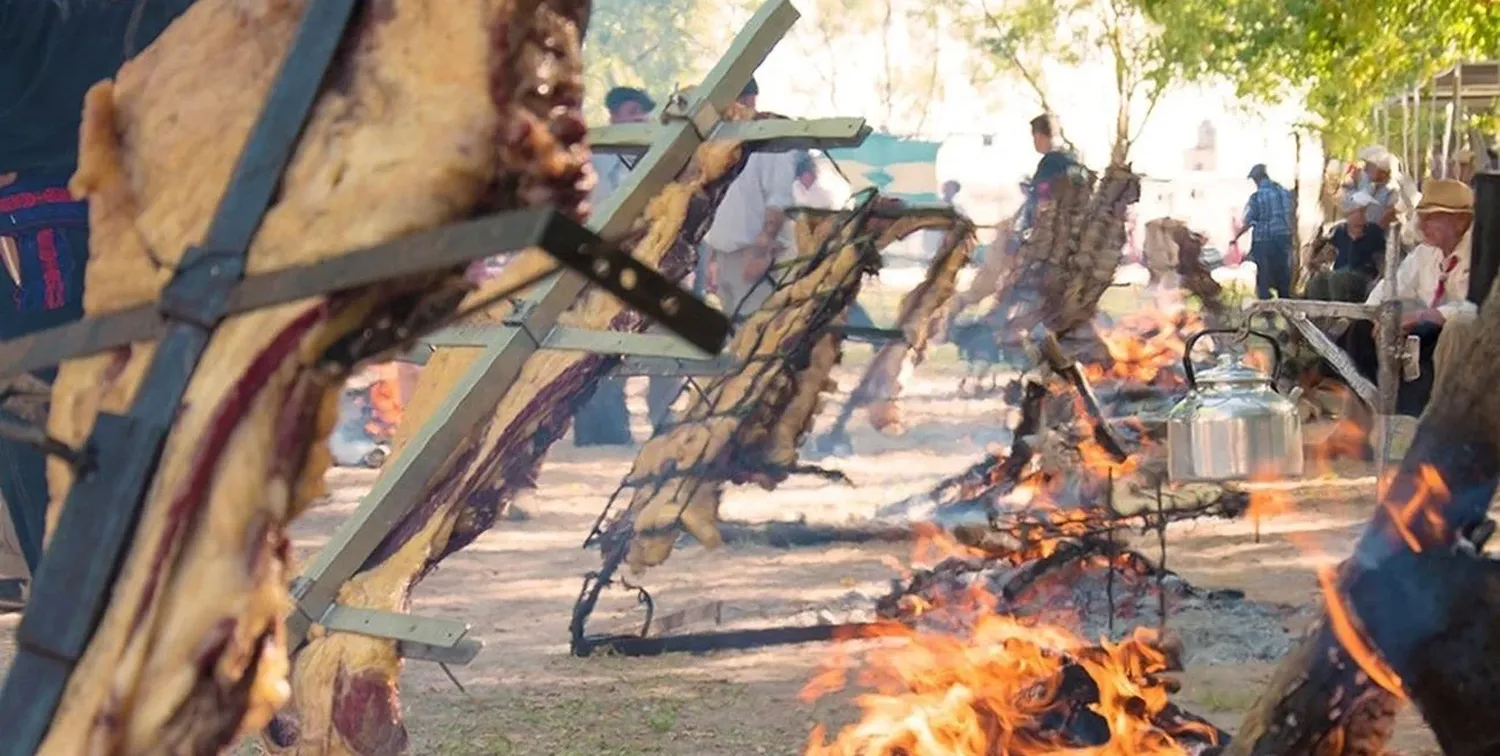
(1232, 371)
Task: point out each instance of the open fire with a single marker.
(984, 649)
(1006, 687)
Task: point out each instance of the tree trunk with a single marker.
(344, 688)
(1321, 700)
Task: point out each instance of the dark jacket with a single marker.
(49, 57)
(1052, 166)
(1362, 255)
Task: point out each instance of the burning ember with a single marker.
(972, 679)
(1008, 688)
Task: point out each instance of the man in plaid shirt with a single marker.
(1269, 212)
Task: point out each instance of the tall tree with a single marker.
(1024, 36)
(1340, 60)
(898, 44)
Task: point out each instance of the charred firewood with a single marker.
(1334, 694)
(345, 685)
(746, 427)
(190, 650)
(1433, 616)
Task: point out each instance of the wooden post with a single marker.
(1296, 208)
(1433, 141)
(1406, 129)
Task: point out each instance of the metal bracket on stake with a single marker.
(434, 250)
(496, 370)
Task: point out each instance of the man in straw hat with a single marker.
(1433, 284)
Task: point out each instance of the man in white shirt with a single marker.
(604, 420)
(1432, 282)
(750, 228)
(811, 190)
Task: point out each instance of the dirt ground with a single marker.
(516, 585)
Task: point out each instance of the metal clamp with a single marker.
(201, 287)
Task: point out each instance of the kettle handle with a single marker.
(1187, 351)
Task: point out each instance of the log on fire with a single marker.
(190, 650)
(746, 427)
(922, 310)
(1338, 693)
(1003, 687)
(344, 688)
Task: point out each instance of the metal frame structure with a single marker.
(1381, 395)
(687, 122)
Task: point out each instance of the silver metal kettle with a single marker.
(1233, 425)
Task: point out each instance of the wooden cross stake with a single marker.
(668, 147)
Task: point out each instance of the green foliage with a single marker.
(1019, 37)
(656, 45)
(1339, 59)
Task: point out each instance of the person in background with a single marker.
(604, 420)
(53, 53)
(809, 191)
(1433, 282)
(1357, 245)
(750, 227)
(625, 105)
(1056, 161)
(1359, 242)
(1269, 213)
(932, 238)
(812, 193)
(1376, 181)
(950, 193)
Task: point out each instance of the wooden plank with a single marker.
(496, 370)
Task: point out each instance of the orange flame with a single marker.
(1146, 346)
(992, 690)
(1341, 622)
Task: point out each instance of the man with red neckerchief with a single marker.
(1433, 284)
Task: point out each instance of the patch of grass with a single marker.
(665, 717)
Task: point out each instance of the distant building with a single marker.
(1204, 157)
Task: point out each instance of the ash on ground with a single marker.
(1215, 626)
